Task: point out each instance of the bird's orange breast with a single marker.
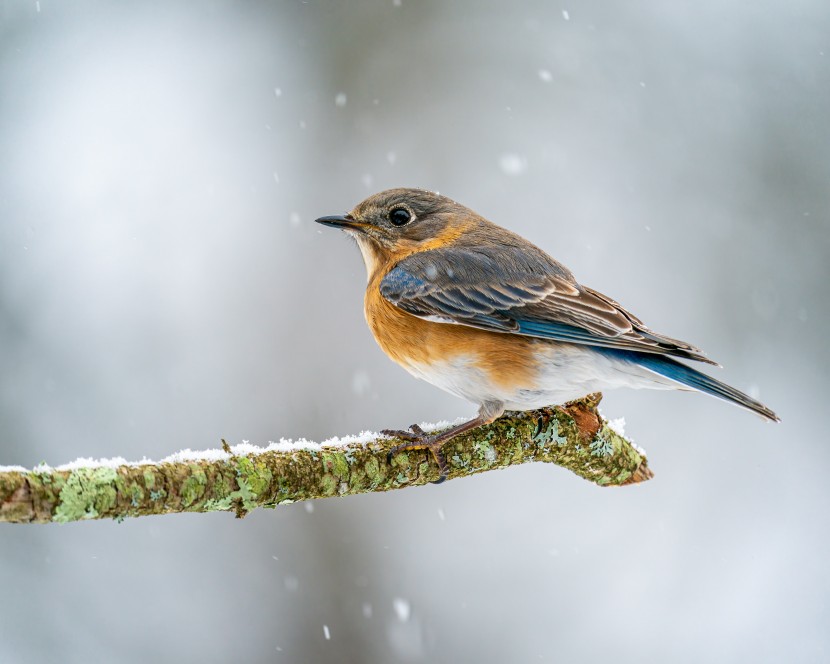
(505, 360)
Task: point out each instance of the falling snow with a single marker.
(361, 383)
(294, 219)
(341, 99)
(512, 164)
(278, 92)
(326, 632)
(545, 75)
(566, 15)
(402, 609)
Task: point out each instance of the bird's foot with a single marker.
(418, 439)
(415, 434)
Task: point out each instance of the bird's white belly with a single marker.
(564, 372)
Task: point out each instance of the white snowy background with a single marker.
(163, 285)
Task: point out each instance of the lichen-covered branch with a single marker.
(573, 436)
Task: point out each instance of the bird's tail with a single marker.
(685, 375)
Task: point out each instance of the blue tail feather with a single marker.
(685, 375)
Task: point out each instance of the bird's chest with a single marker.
(469, 362)
(405, 338)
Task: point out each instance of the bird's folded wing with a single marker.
(509, 289)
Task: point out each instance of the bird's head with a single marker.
(397, 222)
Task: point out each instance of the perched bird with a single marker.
(485, 315)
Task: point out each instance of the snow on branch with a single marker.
(243, 477)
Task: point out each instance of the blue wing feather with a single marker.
(400, 283)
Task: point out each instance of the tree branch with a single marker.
(240, 479)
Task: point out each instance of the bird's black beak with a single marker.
(339, 221)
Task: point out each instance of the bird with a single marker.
(484, 314)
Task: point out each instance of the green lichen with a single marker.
(252, 480)
(283, 488)
(253, 477)
(244, 496)
(337, 463)
(373, 472)
(328, 484)
(485, 451)
(223, 485)
(149, 479)
(193, 488)
(550, 434)
(602, 446)
(219, 504)
(136, 494)
(460, 461)
(87, 493)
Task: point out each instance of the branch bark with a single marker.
(573, 436)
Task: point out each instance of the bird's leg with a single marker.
(418, 439)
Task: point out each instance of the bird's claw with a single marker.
(418, 439)
(415, 434)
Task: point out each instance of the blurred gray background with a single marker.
(163, 285)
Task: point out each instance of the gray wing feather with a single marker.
(519, 290)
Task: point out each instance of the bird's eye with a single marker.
(400, 216)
